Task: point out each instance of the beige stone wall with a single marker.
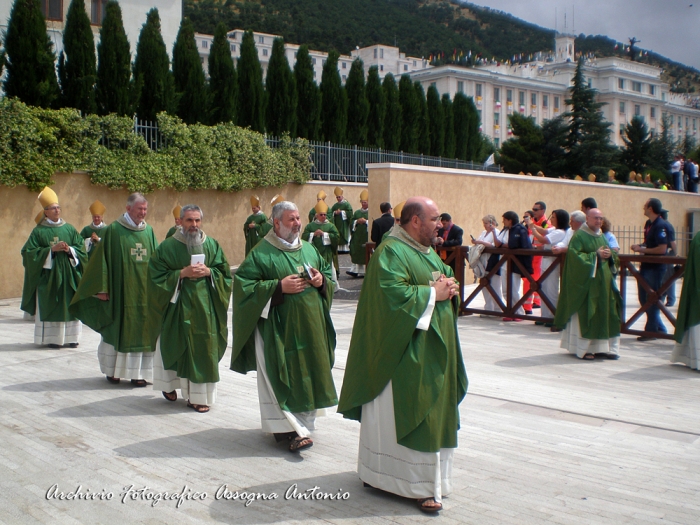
(224, 214)
(469, 195)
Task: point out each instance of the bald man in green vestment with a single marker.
(282, 295)
(405, 376)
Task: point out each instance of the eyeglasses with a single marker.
(537, 209)
(53, 208)
(322, 214)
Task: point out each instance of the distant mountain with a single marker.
(420, 28)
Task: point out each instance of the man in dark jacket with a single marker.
(383, 224)
(448, 236)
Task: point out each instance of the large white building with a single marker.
(133, 13)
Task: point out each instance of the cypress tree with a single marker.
(436, 117)
(334, 102)
(474, 138)
(189, 76)
(29, 55)
(461, 125)
(308, 97)
(251, 102)
(77, 71)
(392, 118)
(450, 144)
(358, 106)
(223, 79)
(281, 93)
(152, 71)
(410, 115)
(423, 120)
(636, 155)
(114, 91)
(377, 109)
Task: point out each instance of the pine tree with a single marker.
(662, 146)
(410, 116)
(436, 118)
(189, 76)
(30, 59)
(423, 120)
(77, 71)
(114, 90)
(152, 71)
(523, 152)
(377, 109)
(308, 97)
(460, 110)
(553, 149)
(588, 142)
(251, 97)
(475, 140)
(281, 93)
(449, 120)
(392, 118)
(358, 106)
(223, 79)
(636, 155)
(334, 102)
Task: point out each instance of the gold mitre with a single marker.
(591, 177)
(255, 201)
(176, 211)
(97, 208)
(39, 217)
(321, 207)
(611, 174)
(578, 177)
(338, 191)
(364, 195)
(48, 197)
(277, 199)
(321, 196)
(540, 174)
(398, 209)
(639, 177)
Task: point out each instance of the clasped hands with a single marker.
(445, 288)
(195, 271)
(604, 252)
(295, 284)
(60, 246)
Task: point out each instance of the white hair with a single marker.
(135, 198)
(578, 216)
(279, 209)
(191, 207)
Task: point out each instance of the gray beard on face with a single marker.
(287, 234)
(193, 241)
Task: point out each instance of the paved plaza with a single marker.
(545, 438)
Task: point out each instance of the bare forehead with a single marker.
(192, 214)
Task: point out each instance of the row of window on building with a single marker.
(53, 10)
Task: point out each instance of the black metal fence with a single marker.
(629, 235)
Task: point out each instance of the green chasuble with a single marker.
(192, 328)
(265, 228)
(253, 235)
(343, 225)
(171, 231)
(86, 233)
(589, 288)
(425, 366)
(359, 237)
(312, 214)
(119, 267)
(298, 333)
(54, 287)
(689, 306)
(326, 250)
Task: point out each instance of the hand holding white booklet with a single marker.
(196, 258)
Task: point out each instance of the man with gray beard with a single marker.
(189, 287)
(282, 298)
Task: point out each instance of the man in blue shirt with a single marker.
(656, 241)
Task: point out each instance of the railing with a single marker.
(628, 235)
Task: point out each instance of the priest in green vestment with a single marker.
(341, 212)
(405, 376)
(54, 258)
(282, 294)
(320, 196)
(687, 335)
(358, 226)
(324, 236)
(189, 289)
(91, 233)
(589, 304)
(176, 216)
(252, 228)
(266, 227)
(112, 298)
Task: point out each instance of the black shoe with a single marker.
(614, 357)
(539, 323)
(534, 306)
(54, 346)
(643, 339)
(670, 303)
(72, 345)
(352, 274)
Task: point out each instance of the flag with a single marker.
(490, 161)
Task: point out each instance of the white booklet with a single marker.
(196, 258)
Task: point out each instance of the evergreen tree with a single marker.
(423, 120)
(29, 57)
(334, 102)
(251, 101)
(450, 144)
(189, 76)
(460, 110)
(114, 91)
(377, 109)
(223, 79)
(152, 71)
(393, 118)
(410, 115)
(475, 139)
(553, 149)
(523, 152)
(77, 71)
(588, 142)
(436, 117)
(358, 106)
(281, 93)
(308, 97)
(636, 155)
(663, 147)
